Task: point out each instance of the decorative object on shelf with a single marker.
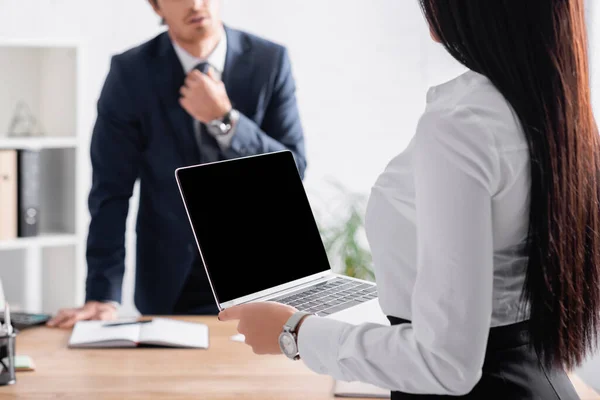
(24, 123)
(343, 234)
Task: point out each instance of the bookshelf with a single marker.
(43, 240)
(45, 272)
(38, 143)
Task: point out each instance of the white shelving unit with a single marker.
(44, 240)
(38, 143)
(46, 272)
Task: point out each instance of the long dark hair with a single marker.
(535, 54)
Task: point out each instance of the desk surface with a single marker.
(228, 370)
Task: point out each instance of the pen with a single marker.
(111, 324)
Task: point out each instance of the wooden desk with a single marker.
(228, 370)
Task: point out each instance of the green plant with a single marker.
(342, 230)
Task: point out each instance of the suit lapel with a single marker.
(237, 72)
(169, 77)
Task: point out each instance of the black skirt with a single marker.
(511, 371)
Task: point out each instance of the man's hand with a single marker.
(204, 96)
(92, 310)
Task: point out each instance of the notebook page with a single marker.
(95, 334)
(169, 332)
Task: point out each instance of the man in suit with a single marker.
(200, 92)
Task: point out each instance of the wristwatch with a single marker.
(288, 338)
(220, 127)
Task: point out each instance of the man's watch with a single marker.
(288, 338)
(224, 125)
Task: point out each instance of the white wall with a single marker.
(360, 85)
(361, 73)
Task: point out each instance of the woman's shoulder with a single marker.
(469, 109)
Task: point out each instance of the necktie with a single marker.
(203, 67)
(198, 126)
(209, 150)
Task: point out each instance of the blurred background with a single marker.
(362, 71)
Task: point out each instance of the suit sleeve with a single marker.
(116, 149)
(281, 128)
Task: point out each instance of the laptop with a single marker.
(259, 240)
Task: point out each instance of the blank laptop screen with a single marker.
(253, 223)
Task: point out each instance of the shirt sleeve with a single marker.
(443, 349)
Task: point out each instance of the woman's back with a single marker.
(490, 143)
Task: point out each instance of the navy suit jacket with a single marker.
(142, 133)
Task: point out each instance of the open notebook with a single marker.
(161, 332)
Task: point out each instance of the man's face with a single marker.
(190, 20)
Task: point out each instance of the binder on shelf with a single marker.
(8, 194)
(29, 193)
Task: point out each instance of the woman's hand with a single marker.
(261, 323)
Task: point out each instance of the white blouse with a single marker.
(447, 221)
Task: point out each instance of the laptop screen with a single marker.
(253, 223)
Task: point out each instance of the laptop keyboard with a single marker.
(330, 297)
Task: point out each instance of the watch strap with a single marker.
(294, 320)
(232, 117)
(227, 117)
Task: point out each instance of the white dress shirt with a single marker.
(447, 221)
(217, 61)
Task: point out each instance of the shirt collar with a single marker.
(216, 59)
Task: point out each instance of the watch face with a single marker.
(221, 127)
(287, 343)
